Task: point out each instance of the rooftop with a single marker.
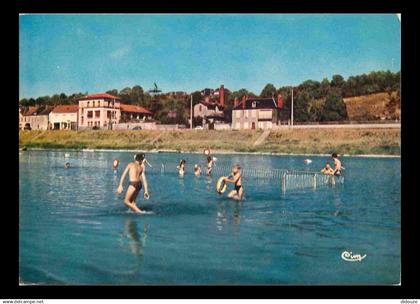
(134, 109)
(258, 103)
(100, 96)
(66, 109)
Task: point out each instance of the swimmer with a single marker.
(337, 165)
(137, 179)
(67, 165)
(115, 164)
(236, 179)
(327, 170)
(210, 163)
(181, 167)
(197, 170)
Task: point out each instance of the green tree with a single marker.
(324, 87)
(337, 81)
(268, 91)
(125, 95)
(113, 92)
(197, 97)
(301, 106)
(137, 95)
(334, 107)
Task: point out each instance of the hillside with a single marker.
(367, 107)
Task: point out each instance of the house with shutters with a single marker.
(99, 111)
(256, 113)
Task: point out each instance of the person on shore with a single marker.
(197, 170)
(337, 165)
(210, 164)
(137, 179)
(327, 170)
(236, 179)
(181, 167)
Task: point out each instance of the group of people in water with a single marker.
(137, 179)
(336, 171)
(197, 168)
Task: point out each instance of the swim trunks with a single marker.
(137, 186)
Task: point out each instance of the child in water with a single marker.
(337, 165)
(209, 164)
(327, 170)
(235, 179)
(137, 179)
(197, 170)
(181, 167)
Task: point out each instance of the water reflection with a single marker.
(135, 241)
(223, 218)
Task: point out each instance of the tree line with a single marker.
(313, 100)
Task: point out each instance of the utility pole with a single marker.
(191, 114)
(291, 114)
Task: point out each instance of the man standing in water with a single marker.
(137, 179)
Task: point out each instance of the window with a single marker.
(113, 114)
(108, 114)
(97, 114)
(88, 104)
(89, 114)
(199, 109)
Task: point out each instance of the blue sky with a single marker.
(95, 53)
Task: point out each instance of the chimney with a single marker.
(279, 101)
(235, 102)
(222, 95)
(244, 98)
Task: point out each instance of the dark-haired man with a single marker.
(137, 179)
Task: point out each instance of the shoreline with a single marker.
(222, 152)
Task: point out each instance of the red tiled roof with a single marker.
(30, 111)
(66, 109)
(99, 96)
(134, 109)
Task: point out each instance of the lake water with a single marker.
(74, 228)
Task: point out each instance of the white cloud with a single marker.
(119, 53)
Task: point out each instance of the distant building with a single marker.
(256, 113)
(34, 118)
(133, 113)
(211, 107)
(103, 110)
(64, 117)
(100, 110)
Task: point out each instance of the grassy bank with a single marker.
(300, 141)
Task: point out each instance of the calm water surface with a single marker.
(74, 228)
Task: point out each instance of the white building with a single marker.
(64, 117)
(99, 110)
(256, 113)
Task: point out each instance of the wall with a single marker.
(37, 122)
(101, 105)
(63, 118)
